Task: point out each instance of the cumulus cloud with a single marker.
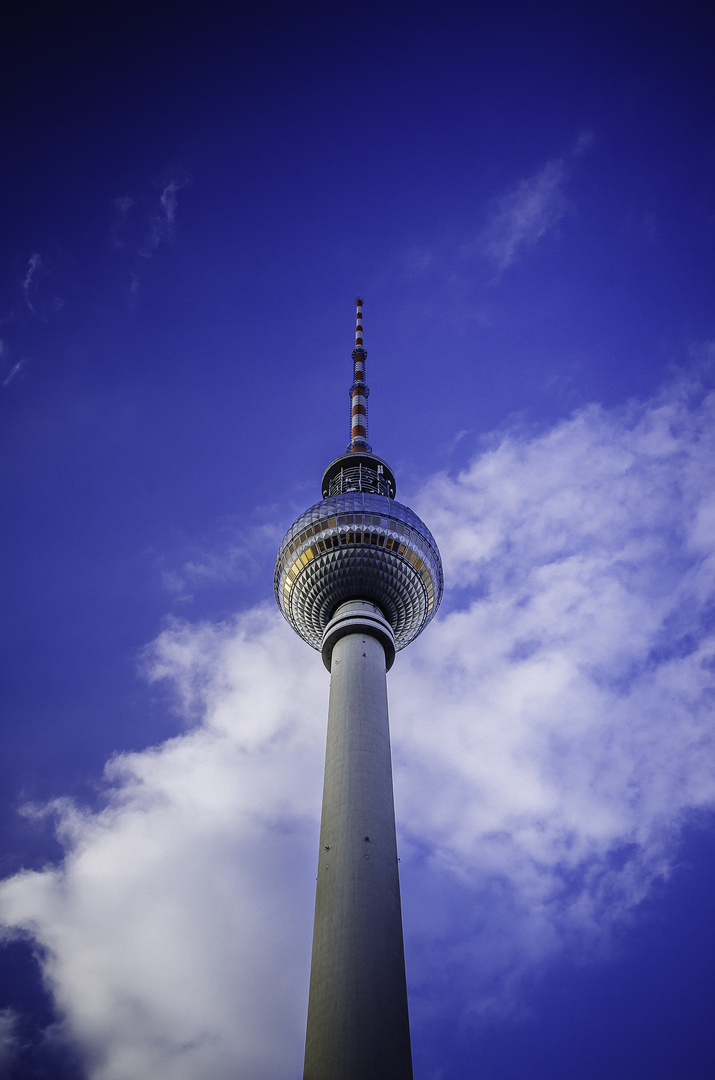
(562, 716)
(177, 931)
(522, 216)
(551, 734)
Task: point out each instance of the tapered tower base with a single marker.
(358, 1024)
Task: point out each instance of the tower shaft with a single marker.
(358, 1025)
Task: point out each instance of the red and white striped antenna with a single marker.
(359, 391)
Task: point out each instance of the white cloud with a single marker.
(524, 215)
(122, 205)
(161, 225)
(28, 283)
(141, 226)
(223, 559)
(530, 210)
(551, 735)
(8, 1040)
(13, 372)
(168, 198)
(567, 708)
(178, 928)
(417, 261)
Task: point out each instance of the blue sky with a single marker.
(524, 196)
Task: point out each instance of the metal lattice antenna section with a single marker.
(359, 391)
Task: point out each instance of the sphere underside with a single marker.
(358, 546)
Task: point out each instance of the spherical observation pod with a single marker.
(358, 545)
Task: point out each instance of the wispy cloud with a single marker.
(28, 283)
(417, 261)
(168, 198)
(122, 206)
(520, 218)
(552, 732)
(162, 223)
(14, 372)
(224, 559)
(524, 215)
(141, 225)
(8, 1039)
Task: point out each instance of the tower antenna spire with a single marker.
(359, 391)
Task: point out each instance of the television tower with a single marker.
(358, 576)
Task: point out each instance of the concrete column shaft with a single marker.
(358, 1025)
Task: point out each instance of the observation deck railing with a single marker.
(361, 478)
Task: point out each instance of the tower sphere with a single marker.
(358, 544)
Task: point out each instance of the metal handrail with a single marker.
(360, 478)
